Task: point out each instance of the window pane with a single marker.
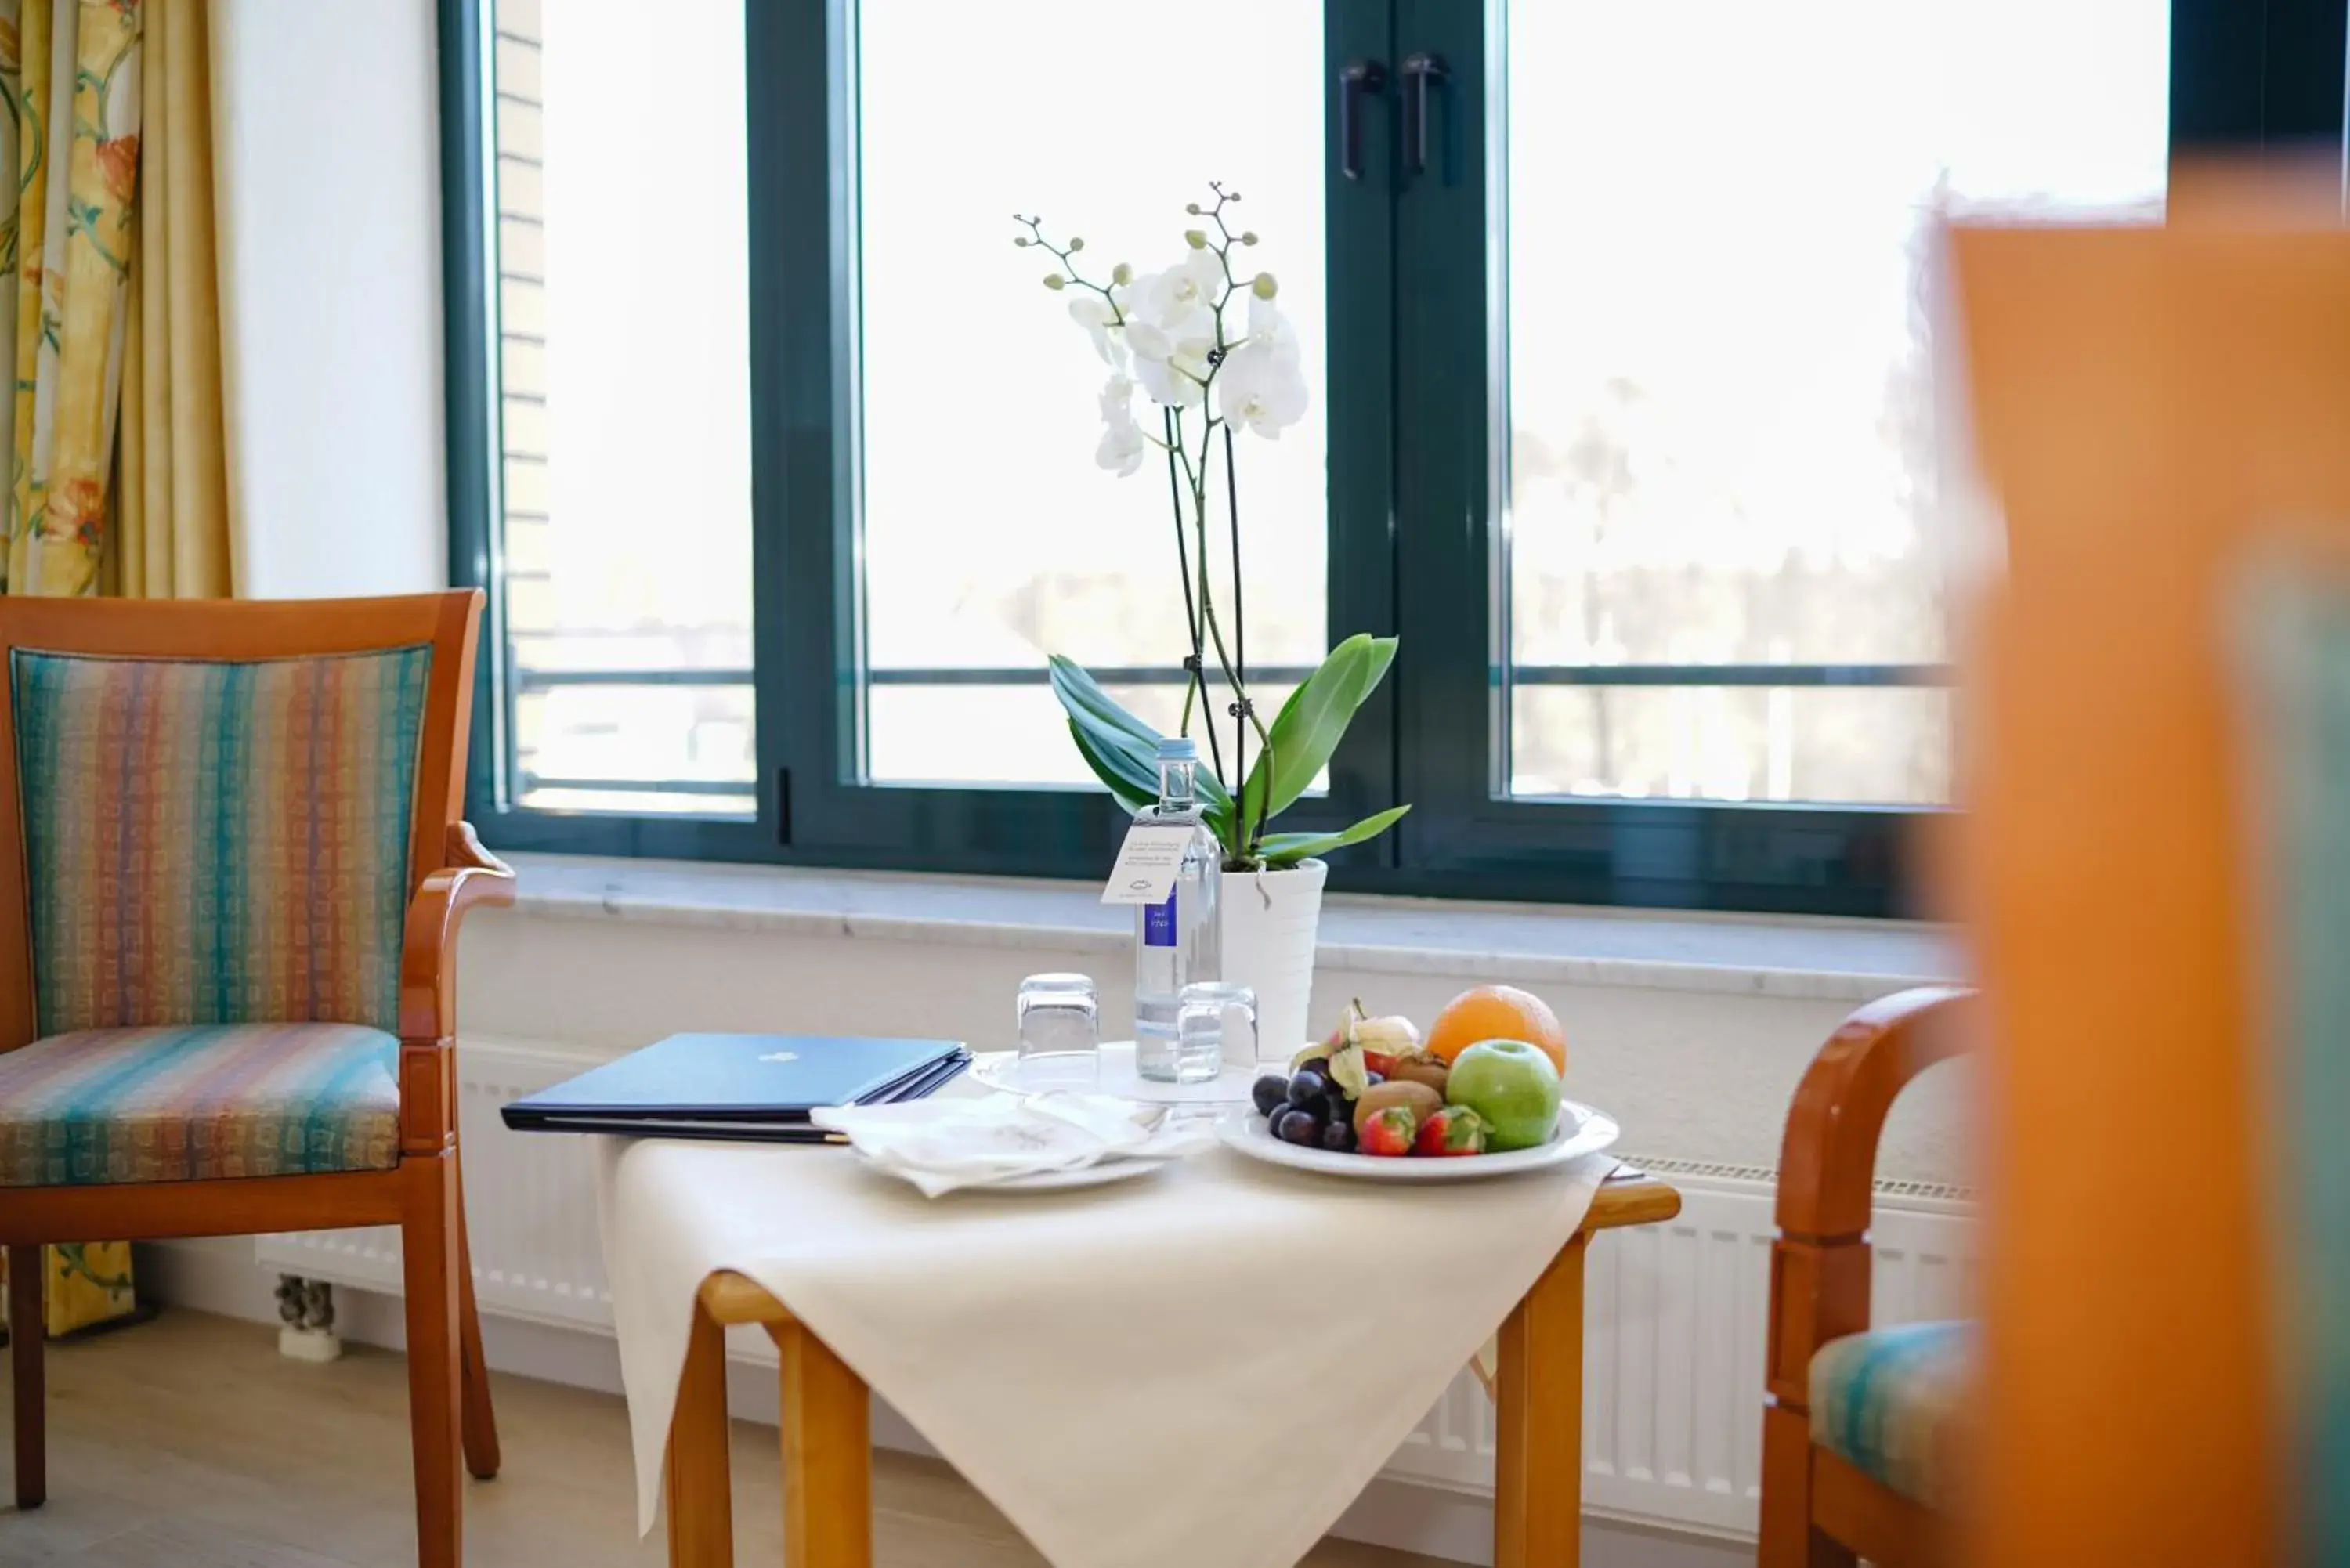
(635, 746)
(1853, 746)
(625, 415)
(964, 733)
(990, 537)
(1721, 439)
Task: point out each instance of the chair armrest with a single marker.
(428, 977)
(1827, 1168)
(1827, 1162)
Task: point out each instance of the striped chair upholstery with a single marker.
(217, 872)
(1891, 1403)
(217, 842)
(195, 1102)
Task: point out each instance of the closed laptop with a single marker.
(738, 1086)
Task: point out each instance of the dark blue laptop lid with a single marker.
(749, 1076)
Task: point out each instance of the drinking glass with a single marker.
(1060, 1036)
(1215, 1027)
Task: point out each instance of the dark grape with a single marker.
(1305, 1088)
(1298, 1127)
(1370, 1079)
(1272, 1092)
(1338, 1107)
(1338, 1138)
(1316, 1065)
(1292, 1112)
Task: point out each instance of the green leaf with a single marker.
(1375, 669)
(1120, 741)
(1111, 770)
(1213, 797)
(1289, 849)
(1310, 725)
(1080, 693)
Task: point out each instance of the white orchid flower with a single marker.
(1264, 404)
(1099, 318)
(1150, 343)
(1171, 366)
(1269, 328)
(1262, 389)
(1123, 445)
(1117, 398)
(1177, 379)
(1181, 300)
(1261, 386)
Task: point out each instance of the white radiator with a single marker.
(1673, 1370)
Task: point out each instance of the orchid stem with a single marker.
(1249, 831)
(1171, 422)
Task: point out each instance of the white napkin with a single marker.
(940, 1145)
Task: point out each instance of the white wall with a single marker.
(1691, 1075)
(325, 130)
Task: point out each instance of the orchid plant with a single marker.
(1202, 350)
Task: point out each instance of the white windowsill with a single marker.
(1789, 957)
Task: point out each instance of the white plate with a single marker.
(1100, 1175)
(1001, 1070)
(1581, 1131)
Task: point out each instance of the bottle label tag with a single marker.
(1158, 923)
(1148, 862)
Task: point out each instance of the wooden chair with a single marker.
(1859, 1473)
(231, 875)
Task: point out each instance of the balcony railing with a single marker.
(1741, 675)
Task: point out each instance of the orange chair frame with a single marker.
(449, 872)
(1818, 1511)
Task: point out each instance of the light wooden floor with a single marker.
(189, 1442)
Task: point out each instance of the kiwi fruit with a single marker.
(1430, 1069)
(1418, 1098)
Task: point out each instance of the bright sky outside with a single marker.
(1721, 387)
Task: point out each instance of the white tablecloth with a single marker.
(1203, 1366)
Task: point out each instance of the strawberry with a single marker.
(1387, 1132)
(1454, 1130)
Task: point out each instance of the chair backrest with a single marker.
(2158, 410)
(217, 812)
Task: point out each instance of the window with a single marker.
(989, 536)
(1718, 552)
(1621, 328)
(624, 523)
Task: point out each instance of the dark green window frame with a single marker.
(1408, 310)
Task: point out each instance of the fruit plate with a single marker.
(1581, 1131)
(1001, 1070)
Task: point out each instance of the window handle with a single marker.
(1420, 71)
(1359, 77)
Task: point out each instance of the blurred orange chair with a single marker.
(1859, 1427)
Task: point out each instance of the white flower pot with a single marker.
(1269, 920)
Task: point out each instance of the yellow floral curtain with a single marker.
(72, 82)
(172, 536)
(115, 322)
(109, 122)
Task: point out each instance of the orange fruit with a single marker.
(1497, 1012)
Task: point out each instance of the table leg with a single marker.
(1538, 1458)
(701, 1501)
(827, 1456)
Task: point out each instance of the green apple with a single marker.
(1510, 1085)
